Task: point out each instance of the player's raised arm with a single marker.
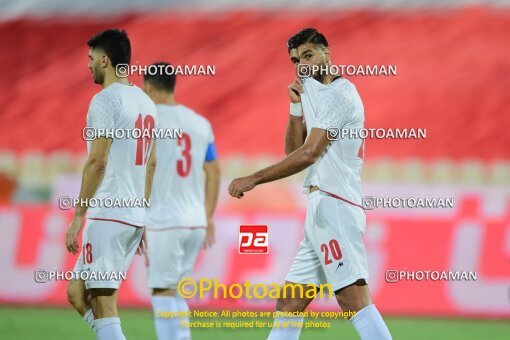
(93, 173)
(297, 161)
(296, 131)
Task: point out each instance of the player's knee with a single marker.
(76, 296)
(104, 303)
(163, 292)
(290, 305)
(354, 298)
(349, 305)
(283, 305)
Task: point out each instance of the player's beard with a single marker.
(320, 75)
(98, 77)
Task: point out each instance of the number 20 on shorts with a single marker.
(331, 249)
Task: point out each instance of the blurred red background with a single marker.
(453, 79)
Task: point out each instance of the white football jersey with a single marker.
(120, 108)
(178, 191)
(336, 105)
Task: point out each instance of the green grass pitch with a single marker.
(62, 323)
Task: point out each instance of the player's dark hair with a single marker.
(114, 43)
(161, 80)
(307, 35)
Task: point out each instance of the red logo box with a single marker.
(253, 239)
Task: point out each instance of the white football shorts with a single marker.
(172, 255)
(332, 251)
(107, 249)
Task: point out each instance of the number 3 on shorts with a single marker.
(334, 248)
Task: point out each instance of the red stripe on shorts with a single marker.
(170, 228)
(343, 199)
(117, 221)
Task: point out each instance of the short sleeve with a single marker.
(211, 153)
(332, 109)
(103, 110)
(210, 133)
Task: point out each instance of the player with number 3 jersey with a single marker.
(180, 218)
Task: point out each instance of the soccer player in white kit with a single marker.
(332, 250)
(116, 168)
(180, 218)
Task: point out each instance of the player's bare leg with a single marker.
(79, 298)
(163, 292)
(289, 302)
(367, 320)
(104, 302)
(166, 300)
(354, 298)
(104, 306)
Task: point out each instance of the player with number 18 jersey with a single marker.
(112, 234)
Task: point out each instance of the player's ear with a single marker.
(146, 87)
(104, 61)
(327, 54)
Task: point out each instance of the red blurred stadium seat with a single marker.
(452, 77)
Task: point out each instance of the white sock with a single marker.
(89, 318)
(370, 325)
(182, 308)
(166, 327)
(108, 329)
(286, 327)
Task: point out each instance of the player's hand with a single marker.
(72, 234)
(142, 246)
(210, 236)
(295, 89)
(241, 185)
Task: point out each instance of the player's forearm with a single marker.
(212, 186)
(212, 189)
(149, 178)
(93, 173)
(149, 172)
(294, 136)
(296, 162)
